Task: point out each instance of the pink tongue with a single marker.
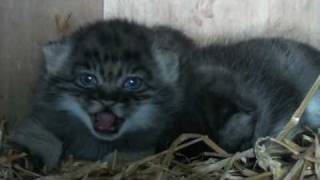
(105, 121)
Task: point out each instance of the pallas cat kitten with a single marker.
(238, 92)
(116, 85)
(108, 86)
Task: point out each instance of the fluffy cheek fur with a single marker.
(72, 105)
(141, 118)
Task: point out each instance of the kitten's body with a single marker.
(234, 93)
(239, 92)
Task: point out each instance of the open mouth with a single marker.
(107, 123)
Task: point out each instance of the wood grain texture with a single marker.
(220, 20)
(25, 27)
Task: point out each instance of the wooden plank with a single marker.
(25, 26)
(220, 20)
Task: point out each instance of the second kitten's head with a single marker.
(115, 76)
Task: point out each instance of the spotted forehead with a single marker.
(112, 40)
(113, 49)
(115, 64)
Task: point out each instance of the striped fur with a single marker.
(111, 51)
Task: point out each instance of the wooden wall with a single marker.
(232, 20)
(24, 27)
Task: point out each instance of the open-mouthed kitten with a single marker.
(117, 85)
(108, 86)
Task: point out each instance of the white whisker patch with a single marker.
(72, 106)
(142, 118)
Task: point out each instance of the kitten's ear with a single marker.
(168, 46)
(55, 54)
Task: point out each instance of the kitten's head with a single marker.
(115, 76)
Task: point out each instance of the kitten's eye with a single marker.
(87, 80)
(132, 83)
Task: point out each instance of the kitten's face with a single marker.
(116, 92)
(109, 79)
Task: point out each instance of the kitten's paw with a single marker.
(39, 143)
(52, 158)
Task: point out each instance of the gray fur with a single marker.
(312, 112)
(234, 93)
(263, 79)
(40, 142)
(63, 113)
